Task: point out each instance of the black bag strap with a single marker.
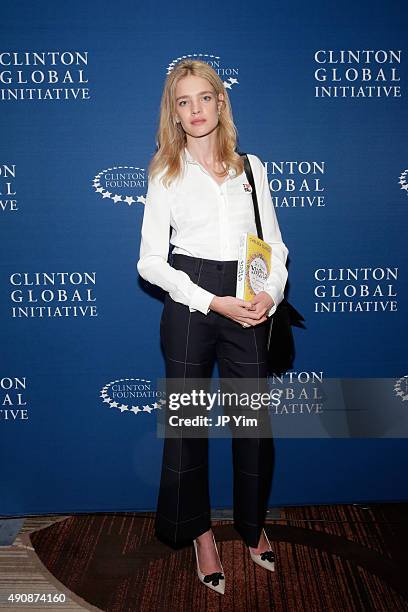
(248, 172)
(295, 317)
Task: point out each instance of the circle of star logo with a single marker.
(115, 196)
(401, 388)
(404, 181)
(126, 407)
(202, 56)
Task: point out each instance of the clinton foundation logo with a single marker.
(132, 395)
(227, 73)
(122, 184)
(43, 76)
(357, 73)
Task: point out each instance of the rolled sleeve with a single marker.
(277, 298)
(201, 300)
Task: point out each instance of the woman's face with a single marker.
(197, 105)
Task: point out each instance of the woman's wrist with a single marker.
(214, 302)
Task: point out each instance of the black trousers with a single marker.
(191, 342)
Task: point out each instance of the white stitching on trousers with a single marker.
(188, 362)
(198, 467)
(186, 520)
(182, 413)
(241, 362)
(258, 439)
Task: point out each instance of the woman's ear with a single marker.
(220, 100)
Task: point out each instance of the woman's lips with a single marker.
(197, 121)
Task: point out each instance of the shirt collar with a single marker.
(190, 159)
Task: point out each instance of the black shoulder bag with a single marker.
(281, 346)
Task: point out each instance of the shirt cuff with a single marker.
(277, 297)
(201, 300)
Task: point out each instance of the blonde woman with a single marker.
(198, 191)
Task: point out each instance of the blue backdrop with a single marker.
(318, 92)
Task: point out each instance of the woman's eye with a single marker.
(206, 97)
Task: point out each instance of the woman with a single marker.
(198, 189)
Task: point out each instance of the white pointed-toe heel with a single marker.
(216, 580)
(265, 559)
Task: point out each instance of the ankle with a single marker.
(262, 545)
(205, 538)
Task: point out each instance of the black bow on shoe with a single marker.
(268, 555)
(214, 578)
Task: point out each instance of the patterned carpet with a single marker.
(329, 558)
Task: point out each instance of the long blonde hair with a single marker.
(171, 138)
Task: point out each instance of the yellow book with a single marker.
(254, 265)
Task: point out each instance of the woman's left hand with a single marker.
(257, 308)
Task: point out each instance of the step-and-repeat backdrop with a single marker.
(319, 93)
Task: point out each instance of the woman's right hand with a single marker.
(236, 309)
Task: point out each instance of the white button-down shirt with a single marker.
(207, 220)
